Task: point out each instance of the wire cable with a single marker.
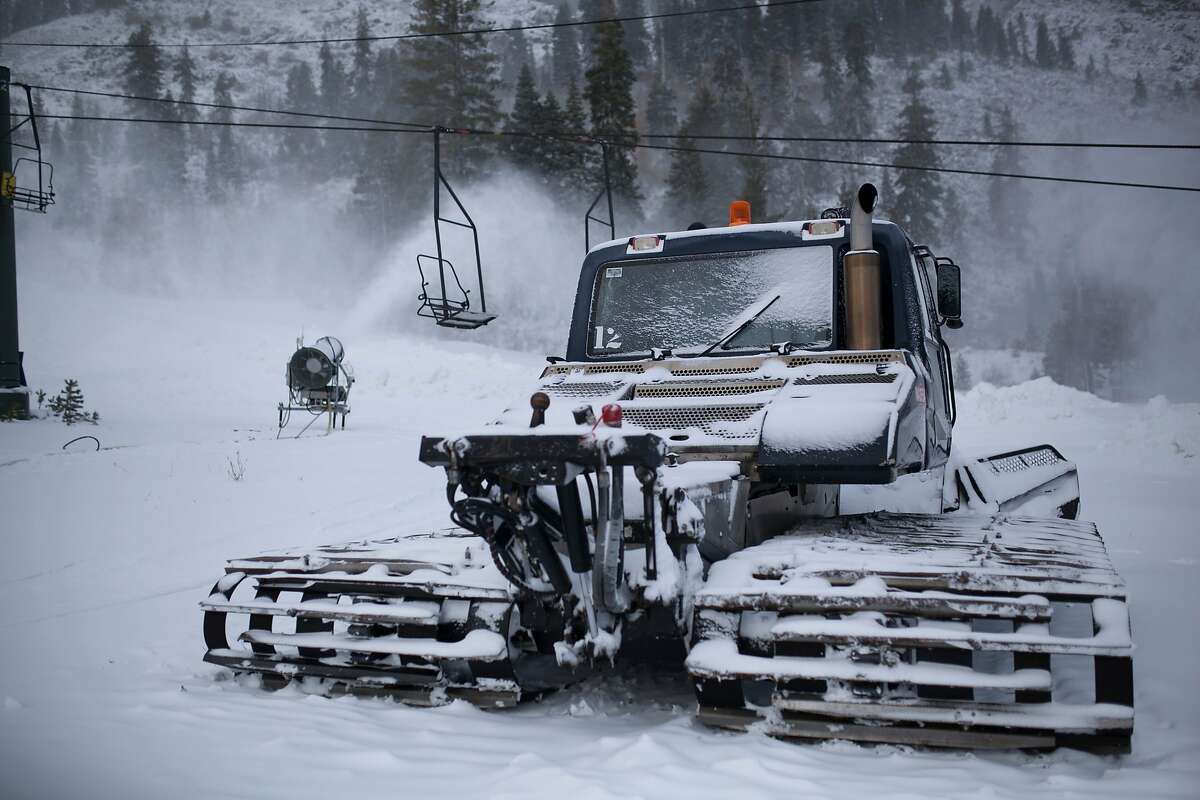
(695, 12)
(639, 146)
(915, 168)
(225, 106)
(220, 124)
(590, 137)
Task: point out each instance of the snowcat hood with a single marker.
(828, 417)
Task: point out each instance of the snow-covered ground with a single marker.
(106, 555)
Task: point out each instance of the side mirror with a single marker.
(949, 293)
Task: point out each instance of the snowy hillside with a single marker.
(103, 694)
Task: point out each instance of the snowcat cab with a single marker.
(703, 478)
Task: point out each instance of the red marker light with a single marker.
(610, 415)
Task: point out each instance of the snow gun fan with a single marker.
(447, 302)
(318, 381)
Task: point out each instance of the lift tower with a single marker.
(14, 394)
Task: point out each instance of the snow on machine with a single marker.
(743, 463)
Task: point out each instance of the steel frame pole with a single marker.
(14, 395)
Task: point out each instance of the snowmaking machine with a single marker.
(743, 463)
(319, 381)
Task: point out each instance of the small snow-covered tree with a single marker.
(69, 404)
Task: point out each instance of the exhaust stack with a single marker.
(860, 269)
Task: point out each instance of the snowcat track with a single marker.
(941, 631)
(360, 620)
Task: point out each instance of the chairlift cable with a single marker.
(590, 138)
(695, 12)
(640, 146)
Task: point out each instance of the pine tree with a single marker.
(985, 31)
(960, 25)
(144, 71)
(1023, 36)
(1045, 54)
(581, 172)
(1007, 202)
(854, 119)
(335, 83)
(1066, 52)
(671, 46)
(755, 172)
(224, 168)
(557, 153)
(637, 38)
(919, 194)
(69, 404)
(185, 74)
(449, 80)
(174, 143)
(687, 181)
(963, 379)
(526, 116)
(144, 78)
(609, 93)
(514, 53)
(80, 175)
(300, 93)
(360, 64)
(945, 79)
(1140, 96)
(660, 108)
(565, 56)
(830, 73)
(856, 49)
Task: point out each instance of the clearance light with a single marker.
(825, 227)
(646, 244)
(739, 213)
(610, 415)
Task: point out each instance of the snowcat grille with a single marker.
(706, 388)
(714, 420)
(603, 369)
(1018, 462)
(583, 389)
(689, 372)
(859, 377)
(866, 357)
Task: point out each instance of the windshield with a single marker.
(690, 303)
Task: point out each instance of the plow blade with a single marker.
(423, 619)
(943, 631)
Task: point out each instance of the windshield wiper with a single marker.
(736, 331)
